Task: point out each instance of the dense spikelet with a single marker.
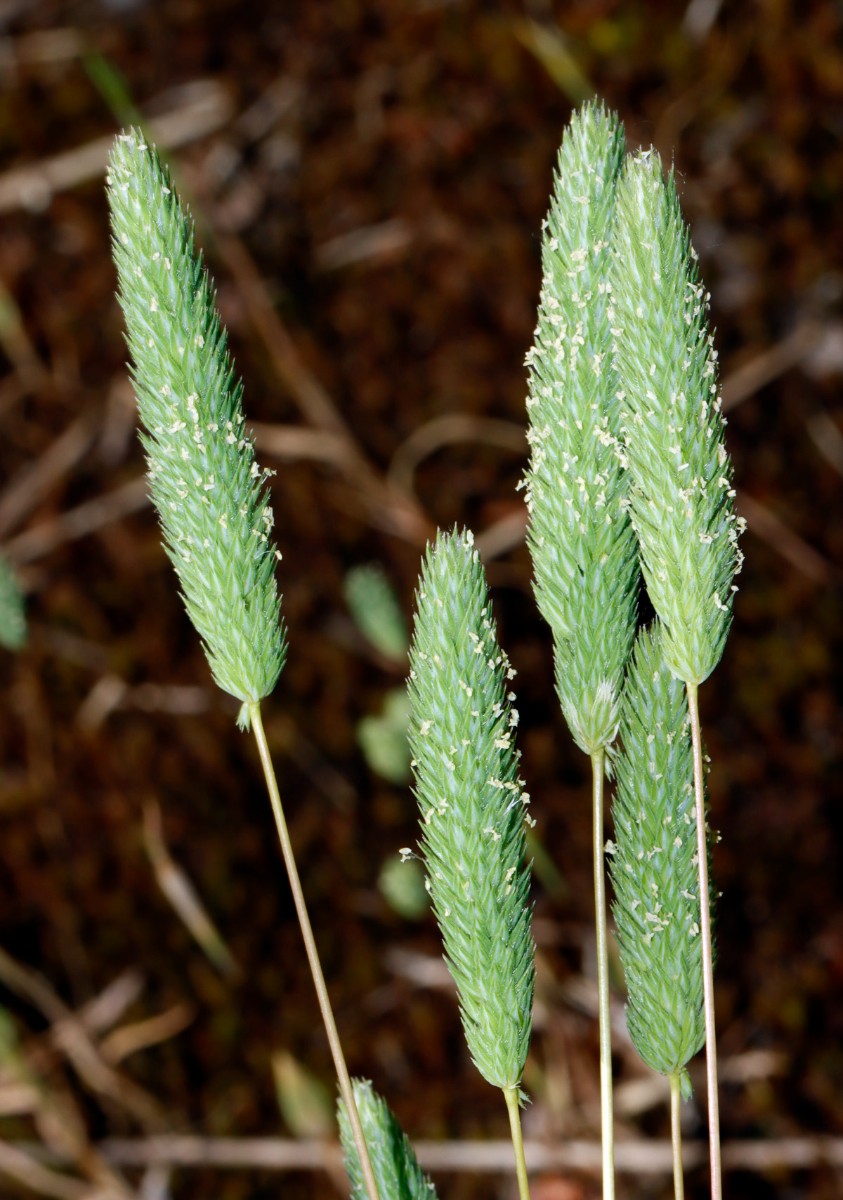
(12, 612)
(397, 1172)
(654, 864)
(582, 544)
(210, 494)
(472, 805)
(681, 476)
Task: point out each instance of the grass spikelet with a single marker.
(681, 490)
(580, 537)
(210, 494)
(397, 1172)
(654, 866)
(472, 805)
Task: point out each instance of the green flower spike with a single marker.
(580, 537)
(472, 805)
(210, 494)
(398, 1174)
(682, 499)
(654, 865)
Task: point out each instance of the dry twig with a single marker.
(69, 1034)
(644, 1157)
(205, 107)
(34, 480)
(388, 507)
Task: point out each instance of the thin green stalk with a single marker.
(340, 1067)
(511, 1097)
(604, 1016)
(707, 955)
(676, 1135)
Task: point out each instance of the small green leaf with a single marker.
(12, 614)
(401, 882)
(383, 738)
(303, 1100)
(376, 611)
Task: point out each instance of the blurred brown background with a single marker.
(369, 178)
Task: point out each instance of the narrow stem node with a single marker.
(707, 957)
(604, 1015)
(511, 1097)
(340, 1067)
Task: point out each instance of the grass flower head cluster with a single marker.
(396, 1168)
(472, 805)
(682, 499)
(654, 866)
(581, 541)
(210, 493)
(627, 463)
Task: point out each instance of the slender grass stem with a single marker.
(676, 1136)
(604, 1019)
(707, 957)
(511, 1097)
(312, 953)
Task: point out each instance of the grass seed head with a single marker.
(682, 499)
(654, 863)
(472, 805)
(211, 496)
(397, 1172)
(580, 537)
